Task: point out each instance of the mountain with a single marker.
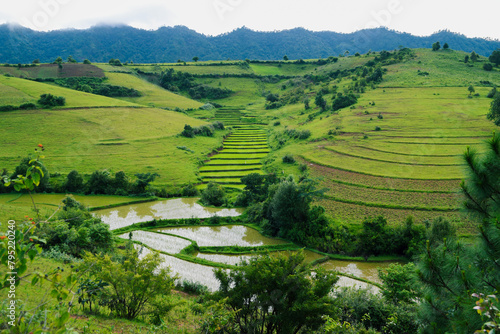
(168, 44)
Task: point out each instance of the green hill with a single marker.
(396, 151)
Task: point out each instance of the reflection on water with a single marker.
(178, 208)
(232, 235)
(186, 270)
(367, 270)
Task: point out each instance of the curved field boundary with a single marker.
(369, 174)
(391, 189)
(229, 170)
(409, 154)
(234, 164)
(390, 161)
(389, 206)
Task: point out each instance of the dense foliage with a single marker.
(184, 82)
(95, 86)
(130, 44)
(276, 294)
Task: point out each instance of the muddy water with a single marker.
(367, 270)
(231, 235)
(168, 209)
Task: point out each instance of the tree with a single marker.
(491, 94)
(74, 182)
(285, 57)
(58, 61)
(142, 181)
(213, 194)
(36, 61)
(135, 286)
(436, 46)
(72, 60)
(466, 59)
(195, 59)
(471, 89)
(494, 114)
(495, 57)
(446, 46)
(49, 100)
(474, 56)
(342, 101)
(99, 182)
(487, 67)
(320, 101)
(86, 62)
(453, 270)
(276, 294)
(399, 283)
(306, 104)
(373, 238)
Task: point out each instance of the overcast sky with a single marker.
(212, 17)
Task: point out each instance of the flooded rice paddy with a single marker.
(229, 235)
(232, 235)
(178, 208)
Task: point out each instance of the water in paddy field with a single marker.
(177, 208)
(367, 270)
(231, 235)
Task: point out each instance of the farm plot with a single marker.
(235, 235)
(241, 153)
(162, 242)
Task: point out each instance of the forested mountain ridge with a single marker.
(169, 44)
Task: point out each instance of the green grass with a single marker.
(31, 90)
(153, 95)
(110, 138)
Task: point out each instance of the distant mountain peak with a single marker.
(168, 44)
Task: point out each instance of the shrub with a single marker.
(135, 286)
(488, 67)
(378, 128)
(190, 190)
(277, 123)
(207, 106)
(492, 93)
(342, 101)
(191, 287)
(74, 182)
(49, 100)
(288, 159)
(213, 194)
(27, 106)
(7, 108)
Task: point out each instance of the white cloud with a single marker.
(421, 17)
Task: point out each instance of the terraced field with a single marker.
(241, 153)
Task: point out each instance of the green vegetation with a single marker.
(371, 169)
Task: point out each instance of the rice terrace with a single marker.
(362, 187)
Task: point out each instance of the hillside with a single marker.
(396, 152)
(169, 44)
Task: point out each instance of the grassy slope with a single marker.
(180, 319)
(32, 90)
(153, 95)
(425, 128)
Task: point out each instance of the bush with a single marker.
(190, 190)
(135, 286)
(49, 100)
(213, 194)
(288, 159)
(488, 67)
(7, 108)
(27, 106)
(277, 123)
(207, 106)
(342, 101)
(378, 128)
